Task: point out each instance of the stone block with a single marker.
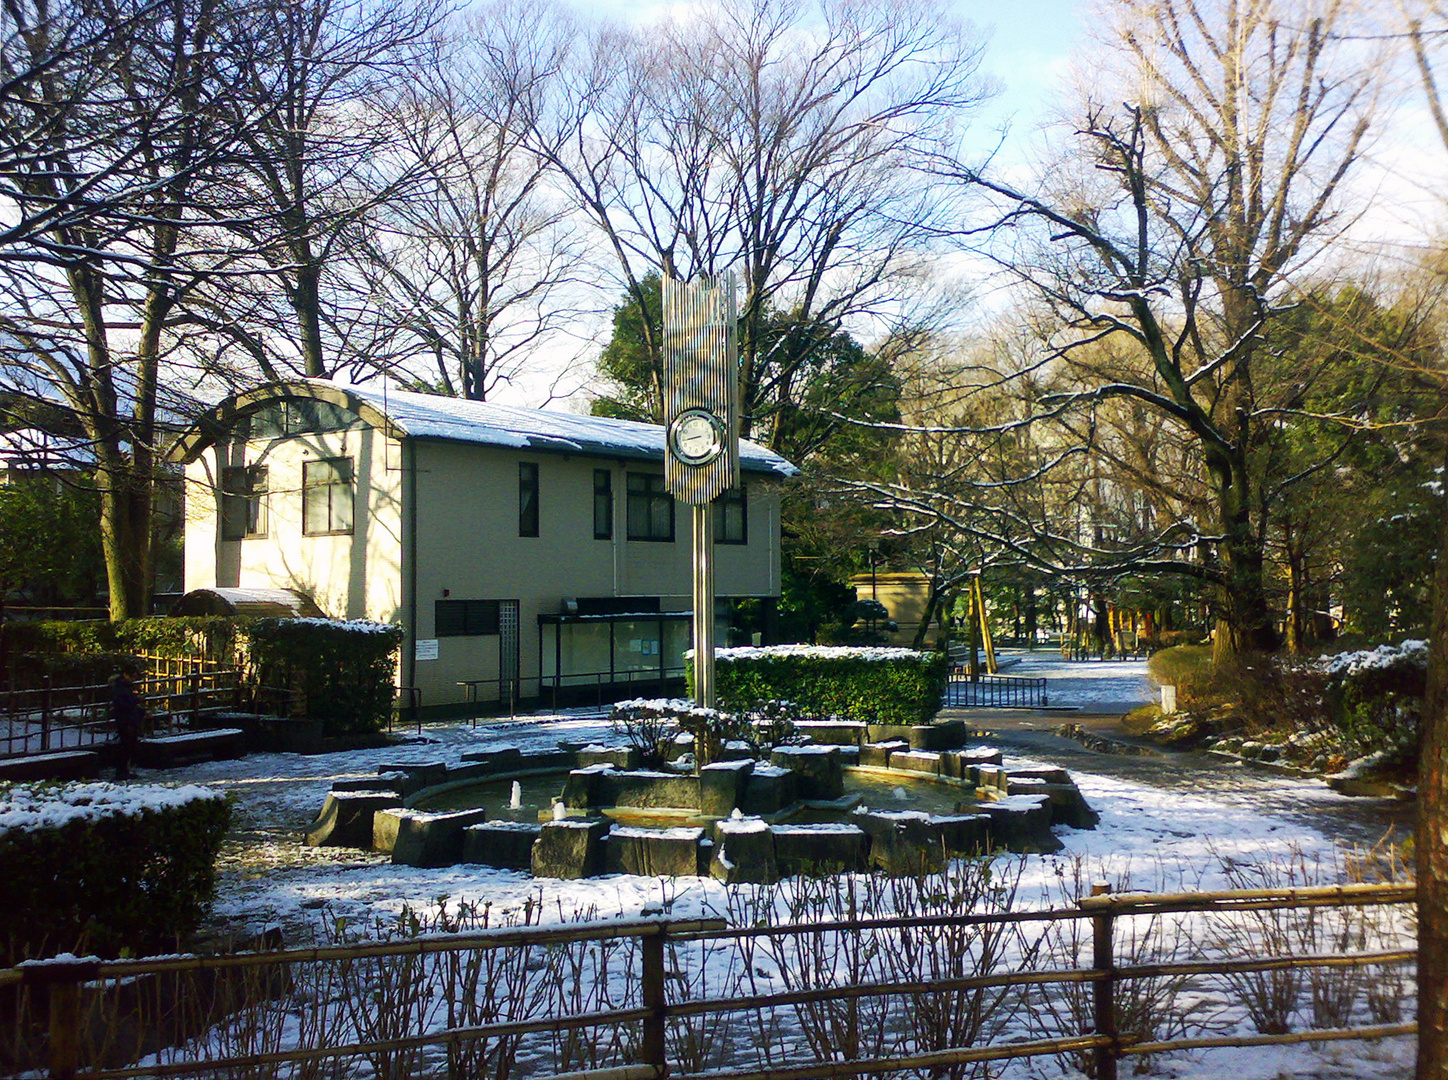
(990, 777)
(816, 849)
(643, 790)
(817, 770)
(743, 852)
(653, 852)
(966, 834)
(1068, 805)
(425, 839)
(571, 848)
(346, 818)
(877, 755)
(504, 758)
(420, 774)
(983, 755)
(953, 765)
(832, 732)
(61, 765)
(506, 845)
(878, 733)
(541, 760)
(620, 757)
(584, 788)
(768, 790)
(473, 770)
(1021, 823)
(937, 736)
(721, 786)
(903, 843)
(386, 782)
(849, 756)
(917, 761)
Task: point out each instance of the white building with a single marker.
(527, 553)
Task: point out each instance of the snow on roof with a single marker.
(432, 416)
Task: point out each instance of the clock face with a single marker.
(696, 436)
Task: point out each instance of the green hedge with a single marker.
(343, 671)
(105, 868)
(82, 652)
(876, 685)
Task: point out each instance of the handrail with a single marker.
(653, 1007)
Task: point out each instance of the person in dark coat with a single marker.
(127, 713)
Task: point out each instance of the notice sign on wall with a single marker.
(425, 649)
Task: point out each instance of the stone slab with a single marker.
(721, 786)
(818, 770)
(505, 845)
(653, 852)
(1022, 823)
(346, 818)
(743, 852)
(816, 849)
(768, 790)
(432, 840)
(570, 849)
(877, 755)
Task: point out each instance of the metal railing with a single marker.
(50, 718)
(964, 690)
(687, 1000)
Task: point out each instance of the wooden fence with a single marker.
(52, 718)
(627, 1000)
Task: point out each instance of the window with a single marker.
(650, 509)
(527, 498)
(243, 501)
(326, 496)
(602, 504)
(731, 516)
(465, 618)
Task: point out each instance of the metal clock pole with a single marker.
(704, 605)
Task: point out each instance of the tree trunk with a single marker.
(1431, 839)
(1244, 618)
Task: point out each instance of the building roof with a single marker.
(407, 414)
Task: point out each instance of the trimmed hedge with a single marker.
(85, 652)
(342, 671)
(105, 868)
(875, 685)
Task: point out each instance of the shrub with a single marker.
(1187, 667)
(105, 868)
(1374, 698)
(342, 671)
(886, 686)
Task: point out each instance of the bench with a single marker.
(169, 751)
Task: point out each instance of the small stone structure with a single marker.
(738, 820)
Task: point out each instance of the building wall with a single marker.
(469, 548)
(467, 544)
(351, 576)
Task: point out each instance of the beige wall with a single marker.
(353, 576)
(467, 542)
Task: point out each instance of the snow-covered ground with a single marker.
(1111, 686)
(1151, 837)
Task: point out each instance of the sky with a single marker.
(1030, 48)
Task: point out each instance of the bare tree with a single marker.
(111, 159)
(313, 170)
(774, 139)
(479, 265)
(1207, 196)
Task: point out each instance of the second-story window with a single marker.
(602, 504)
(527, 498)
(243, 501)
(327, 496)
(650, 508)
